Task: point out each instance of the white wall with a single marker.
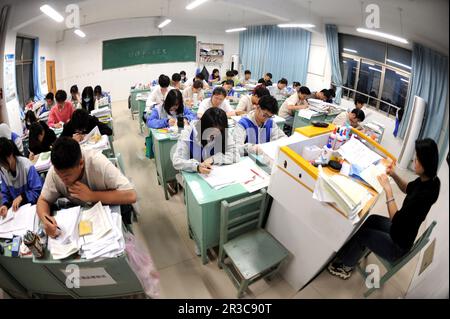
(79, 61)
(434, 281)
(319, 68)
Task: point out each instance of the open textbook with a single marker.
(19, 222)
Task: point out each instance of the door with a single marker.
(51, 78)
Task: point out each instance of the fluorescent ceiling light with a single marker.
(52, 13)
(375, 69)
(350, 50)
(79, 33)
(398, 63)
(402, 79)
(194, 4)
(382, 35)
(296, 25)
(164, 23)
(235, 30)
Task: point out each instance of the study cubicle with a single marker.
(311, 230)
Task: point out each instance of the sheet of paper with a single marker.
(9, 216)
(92, 137)
(307, 113)
(67, 220)
(260, 178)
(357, 154)
(101, 224)
(370, 174)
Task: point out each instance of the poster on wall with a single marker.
(211, 52)
(10, 87)
(43, 75)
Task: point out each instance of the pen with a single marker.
(51, 222)
(256, 173)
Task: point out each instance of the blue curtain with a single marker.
(36, 81)
(429, 80)
(331, 34)
(282, 52)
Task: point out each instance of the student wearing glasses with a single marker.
(258, 127)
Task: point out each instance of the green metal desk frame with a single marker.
(134, 105)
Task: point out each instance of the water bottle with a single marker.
(195, 99)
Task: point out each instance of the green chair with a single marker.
(393, 268)
(252, 252)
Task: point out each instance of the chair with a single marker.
(393, 268)
(252, 252)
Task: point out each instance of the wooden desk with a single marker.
(162, 145)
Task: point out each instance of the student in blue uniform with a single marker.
(166, 115)
(205, 143)
(21, 183)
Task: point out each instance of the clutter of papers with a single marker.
(105, 240)
(246, 173)
(358, 155)
(44, 162)
(19, 222)
(94, 140)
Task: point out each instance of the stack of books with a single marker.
(103, 114)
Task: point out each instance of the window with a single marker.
(375, 71)
(24, 69)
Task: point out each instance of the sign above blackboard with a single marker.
(148, 50)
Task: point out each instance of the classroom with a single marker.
(215, 150)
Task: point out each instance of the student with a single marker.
(159, 92)
(188, 94)
(392, 237)
(87, 99)
(267, 78)
(247, 78)
(98, 93)
(237, 81)
(75, 97)
(257, 127)
(229, 76)
(30, 118)
(21, 183)
(214, 78)
(323, 95)
(247, 103)
(217, 100)
(6, 132)
(183, 77)
(262, 83)
(82, 123)
(83, 177)
(228, 86)
(41, 139)
(205, 143)
(353, 118)
(198, 77)
(296, 101)
(176, 82)
(49, 103)
(279, 90)
(167, 114)
(296, 86)
(62, 112)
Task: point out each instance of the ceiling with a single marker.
(422, 21)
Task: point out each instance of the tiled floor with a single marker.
(162, 227)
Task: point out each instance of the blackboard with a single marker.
(146, 50)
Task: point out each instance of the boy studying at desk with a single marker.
(62, 112)
(352, 118)
(258, 127)
(228, 86)
(217, 100)
(82, 123)
(84, 178)
(166, 115)
(279, 90)
(176, 81)
(159, 93)
(21, 183)
(248, 78)
(247, 103)
(296, 101)
(198, 77)
(188, 94)
(205, 143)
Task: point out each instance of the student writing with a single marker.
(159, 92)
(217, 100)
(82, 123)
(247, 103)
(62, 112)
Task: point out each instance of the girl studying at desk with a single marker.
(21, 183)
(166, 115)
(392, 237)
(205, 143)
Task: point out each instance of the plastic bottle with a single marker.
(326, 153)
(339, 141)
(195, 99)
(332, 138)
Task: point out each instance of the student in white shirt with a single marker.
(280, 89)
(205, 143)
(360, 104)
(188, 94)
(258, 127)
(217, 100)
(353, 118)
(296, 101)
(247, 103)
(198, 77)
(248, 78)
(176, 82)
(159, 93)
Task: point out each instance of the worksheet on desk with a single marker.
(356, 153)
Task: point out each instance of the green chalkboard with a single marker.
(146, 50)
